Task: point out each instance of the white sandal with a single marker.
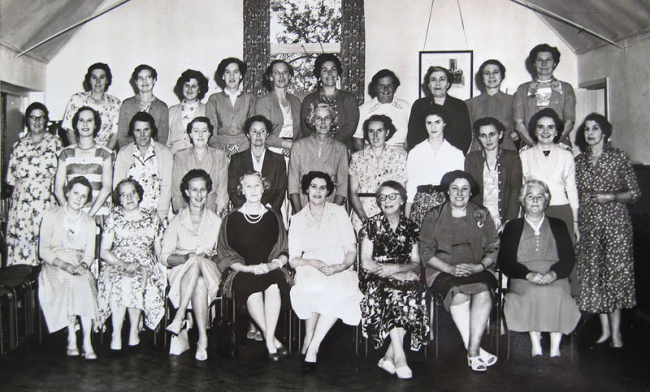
(488, 359)
(476, 363)
(387, 365)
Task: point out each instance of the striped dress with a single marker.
(90, 164)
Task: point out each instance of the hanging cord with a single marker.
(462, 23)
(426, 35)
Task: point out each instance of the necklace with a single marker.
(253, 219)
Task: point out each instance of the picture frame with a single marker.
(461, 65)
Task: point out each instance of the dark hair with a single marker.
(191, 175)
(452, 176)
(436, 110)
(480, 84)
(384, 73)
(202, 119)
(37, 106)
(532, 56)
(603, 123)
(266, 78)
(185, 77)
(142, 67)
(116, 192)
(306, 180)
(96, 115)
(103, 67)
(322, 59)
(431, 70)
(484, 122)
(547, 112)
(393, 185)
(388, 124)
(265, 183)
(221, 69)
(257, 118)
(79, 180)
(144, 117)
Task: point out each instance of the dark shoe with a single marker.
(308, 367)
(283, 351)
(275, 357)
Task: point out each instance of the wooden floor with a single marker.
(34, 367)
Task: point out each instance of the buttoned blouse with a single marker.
(398, 111)
(424, 167)
(228, 120)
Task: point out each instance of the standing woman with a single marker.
(606, 185)
(229, 109)
(280, 107)
(497, 170)
(552, 164)
(86, 158)
(201, 156)
(327, 70)
(458, 130)
(66, 287)
(131, 277)
(190, 89)
(31, 171)
(96, 83)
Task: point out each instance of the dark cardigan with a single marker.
(507, 260)
(510, 180)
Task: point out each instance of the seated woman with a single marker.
(322, 249)
(537, 255)
(252, 250)
(458, 246)
(395, 300)
(66, 288)
(130, 276)
(188, 248)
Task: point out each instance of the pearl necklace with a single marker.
(251, 218)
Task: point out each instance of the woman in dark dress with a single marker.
(252, 246)
(394, 299)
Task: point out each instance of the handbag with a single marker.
(226, 337)
(179, 343)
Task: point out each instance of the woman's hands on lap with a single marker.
(542, 279)
(465, 269)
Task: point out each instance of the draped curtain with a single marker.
(257, 44)
(353, 47)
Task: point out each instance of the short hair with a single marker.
(79, 180)
(306, 180)
(532, 56)
(431, 70)
(37, 106)
(322, 59)
(144, 117)
(388, 124)
(485, 121)
(202, 119)
(266, 78)
(265, 183)
(116, 192)
(312, 113)
(550, 113)
(528, 183)
(191, 175)
(103, 67)
(221, 69)
(258, 118)
(96, 116)
(452, 176)
(384, 73)
(185, 77)
(142, 67)
(436, 110)
(393, 185)
(602, 122)
(479, 75)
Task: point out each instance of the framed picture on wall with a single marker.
(458, 62)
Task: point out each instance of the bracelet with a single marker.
(484, 267)
(279, 262)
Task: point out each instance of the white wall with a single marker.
(24, 71)
(170, 35)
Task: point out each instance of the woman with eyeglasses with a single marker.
(394, 301)
(31, 173)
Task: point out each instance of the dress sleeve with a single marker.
(507, 259)
(569, 109)
(227, 255)
(70, 111)
(565, 251)
(45, 239)
(166, 185)
(570, 184)
(351, 119)
(212, 114)
(177, 175)
(89, 236)
(513, 186)
(294, 171)
(220, 176)
(519, 104)
(342, 173)
(628, 177)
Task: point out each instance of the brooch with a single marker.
(480, 216)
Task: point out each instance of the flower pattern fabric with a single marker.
(109, 111)
(390, 303)
(31, 170)
(144, 170)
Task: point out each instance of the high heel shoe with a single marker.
(282, 350)
(308, 367)
(89, 354)
(476, 363)
(201, 352)
(175, 327)
(387, 365)
(404, 372)
(72, 351)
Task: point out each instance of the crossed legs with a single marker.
(264, 308)
(317, 327)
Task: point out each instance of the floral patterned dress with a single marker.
(389, 303)
(604, 253)
(133, 243)
(371, 171)
(32, 169)
(109, 111)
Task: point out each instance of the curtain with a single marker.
(257, 44)
(353, 47)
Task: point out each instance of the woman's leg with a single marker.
(479, 315)
(460, 313)
(117, 317)
(134, 330)
(310, 327)
(188, 285)
(255, 305)
(323, 326)
(200, 308)
(397, 345)
(272, 306)
(535, 340)
(556, 340)
(615, 325)
(87, 325)
(605, 331)
(72, 335)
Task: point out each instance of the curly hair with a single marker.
(532, 56)
(480, 84)
(384, 73)
(312, 114)
(103, 67)
(534, 182)
(185, 77)
(96, 116)
(430, 71)
(115, 196)
(322, 59)
(550, 113)
(221, 69)
(484, 122)
(604, 124)
(266, 78)
(306, 180)
(265, 183)
(191, 175)
(257, 118)
(79, 180)
(388, 125)
(142, 67)
(452, 176)
(200, 119)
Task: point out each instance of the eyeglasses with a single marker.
(390, 196)
(128, 194)
(37, 118)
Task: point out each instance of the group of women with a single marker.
(436, 193)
